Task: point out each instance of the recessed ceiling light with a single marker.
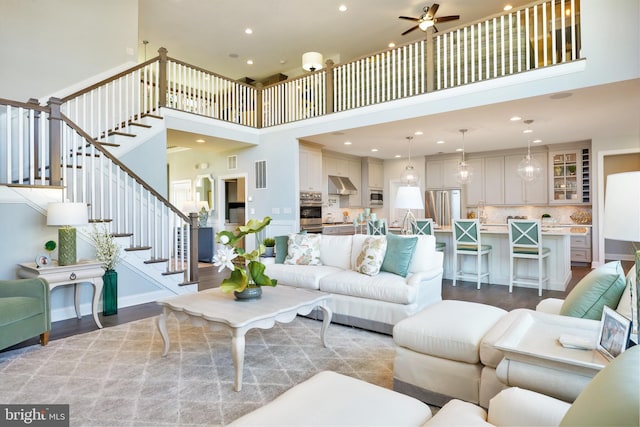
(397, 156)
(248, 31)
(507, 7)
(418, 132)
(458, 149)
(249, 61)
(374, 150)
(440, 142)
(200, 141)
(527, 131)
(283, 61)
(392, 44)
(342, 8)
(347, 143)
(515, 118)
(537, 141)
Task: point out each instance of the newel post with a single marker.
(162, 77)
(329, 88)
(259, 87)
(36, 136)
(193, 248)
(55, 142)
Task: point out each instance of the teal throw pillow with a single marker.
(282, 247)
(602, 286)
(399, 254)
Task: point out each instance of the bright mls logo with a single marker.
(34, 415)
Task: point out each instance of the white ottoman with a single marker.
(332, 399)
(438, 351)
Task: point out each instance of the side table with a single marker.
(55, 275)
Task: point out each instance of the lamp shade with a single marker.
(203, 205)
(62, 214)
(409, 197)
(622, 207)
(190, 206)
(312, 61)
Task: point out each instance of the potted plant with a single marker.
(269, 244)
(245, 280)
(109, 253)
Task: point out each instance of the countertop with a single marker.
(573, 230)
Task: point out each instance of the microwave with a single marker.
(375, 197)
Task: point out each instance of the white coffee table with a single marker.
(279, 304)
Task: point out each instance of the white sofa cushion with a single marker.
(301, 276)
(489, 355)
(518, 407)
(448, 329)
(424, 256)
(332, 399)
(335, 251)
(457, 413)
(383, 286)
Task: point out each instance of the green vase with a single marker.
(110, 293)
(249, 293)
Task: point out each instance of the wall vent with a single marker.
(232, 162)
(261, 174)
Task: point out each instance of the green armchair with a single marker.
(25, 311)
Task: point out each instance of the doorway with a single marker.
(232, 200)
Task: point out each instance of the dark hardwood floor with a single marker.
(496, 295)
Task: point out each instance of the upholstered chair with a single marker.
(24, 311)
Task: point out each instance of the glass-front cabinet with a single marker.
(567, 180)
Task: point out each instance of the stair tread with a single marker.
(142, 125)
(137, 248)
(168, 273)
(122, 234)
(119, 133)
(99, 220)
(153, 116)
(187, 283)
(156, 260)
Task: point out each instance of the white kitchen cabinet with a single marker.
(516, 190)
(494, 180)
(442, 174)
(372, 171)
(581, 247)
(347, 166)
(375, 173)
(569, 177)
(310, 169)
(354, 170)
(475, 189)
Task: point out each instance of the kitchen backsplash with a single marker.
(561, 214)
(332, 206)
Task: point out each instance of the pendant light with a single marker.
(529, 169)
(465, 172)
(409, 175)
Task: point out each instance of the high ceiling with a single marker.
(211, 35)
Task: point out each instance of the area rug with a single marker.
(117, 376)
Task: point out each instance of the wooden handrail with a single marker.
(109, 79)
(139, 180)
(177, 61)
(27, 105)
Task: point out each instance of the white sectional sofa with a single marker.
(375, 302)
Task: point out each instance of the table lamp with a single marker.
(622, 219)
(65, 216)
(409, 197)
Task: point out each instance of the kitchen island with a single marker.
(557, 239)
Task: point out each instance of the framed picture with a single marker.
(614, 333)
(42, 260)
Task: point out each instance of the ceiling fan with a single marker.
(428, 19)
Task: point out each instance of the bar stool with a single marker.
(525, 242)
(377, 227)
(425, 227)
(467, 242)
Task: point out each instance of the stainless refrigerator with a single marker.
(442, 206)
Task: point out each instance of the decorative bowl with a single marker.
(581, 217)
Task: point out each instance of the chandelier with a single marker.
(529, 169)
(465, 172)
(409, 175)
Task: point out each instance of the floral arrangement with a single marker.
(107, 249)
(242, 278)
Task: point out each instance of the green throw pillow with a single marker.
(282, 247)
(602, 286)
(399, 254)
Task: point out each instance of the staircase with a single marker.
(47, 150)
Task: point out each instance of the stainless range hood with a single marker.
(341, 185)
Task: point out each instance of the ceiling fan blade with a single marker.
(409, 18)
(446, 18)
(409, 30)
(435, 30)
(432, 11)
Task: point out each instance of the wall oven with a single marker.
(311, 211)
(375, 197)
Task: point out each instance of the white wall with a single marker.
(149, 161)
(50, 45)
